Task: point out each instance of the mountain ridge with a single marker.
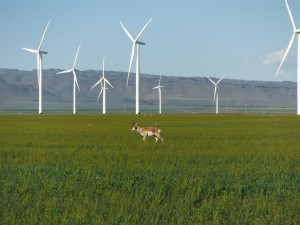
(19, 90)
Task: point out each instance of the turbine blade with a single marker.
(126, 31)
(65, 71)
(105, 80)
(75, 77)
(131, 59)
(43, 35)
(143, 30)
(156, 87)
(286, 52)
(291, 16)
(30, 50)
(99, 81)
(211, 80)
(99, 94)
(76, 56)
(220, 80)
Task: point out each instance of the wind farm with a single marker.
(230, 149)
(135, 52)
(180, 95)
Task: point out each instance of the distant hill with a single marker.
(19, 91)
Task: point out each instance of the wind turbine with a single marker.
(136, 43)
(39, 55)
(216, 95)
(103, 82)
(159, 93)
(296, 31)
(75, 80)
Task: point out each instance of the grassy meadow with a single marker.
(91, 169)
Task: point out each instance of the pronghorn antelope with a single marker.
(148, 131)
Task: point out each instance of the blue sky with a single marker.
(244, 39)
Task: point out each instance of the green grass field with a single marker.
(91, 169)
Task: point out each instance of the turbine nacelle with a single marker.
(140, 43)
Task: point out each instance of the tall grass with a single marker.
(91, 169)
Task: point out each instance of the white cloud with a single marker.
(272, 57)
(269, 63)
(289, 67)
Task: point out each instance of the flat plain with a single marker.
(91, 169)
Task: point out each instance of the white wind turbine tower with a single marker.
(75, 80)
(216, 95)
(159, 93)
(296, 31)
(136, 43)
(103, 82)
(39, 55)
